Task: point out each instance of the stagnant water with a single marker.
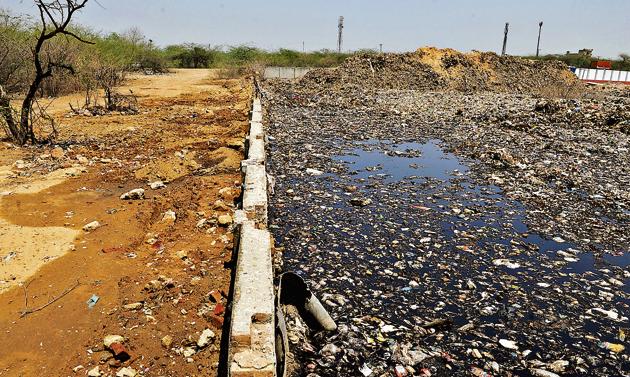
(394, 236)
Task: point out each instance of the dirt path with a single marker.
(189, 134)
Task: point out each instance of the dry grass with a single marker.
(570, 90)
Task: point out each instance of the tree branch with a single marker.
(77, 37)
(67, 67)
(27, 311)
(52, 19)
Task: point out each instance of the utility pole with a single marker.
(507, 27)
(540, 24)
(303, 50)
(380, 47)
(340, 34)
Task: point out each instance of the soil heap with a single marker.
(429, 68)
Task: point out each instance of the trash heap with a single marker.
(430, 68)
(452, 232)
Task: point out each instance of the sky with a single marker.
(400, 25)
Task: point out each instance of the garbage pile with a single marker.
(429, 68)
(455, 234)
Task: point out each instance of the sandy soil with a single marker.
(189, 134)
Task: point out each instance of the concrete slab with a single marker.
(250, 162)
(256, 149)
(256, 116)
(256, 130)
(252, 325)
(255, 193)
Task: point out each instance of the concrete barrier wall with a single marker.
(285, 72)
(252, 340)
(602, 75)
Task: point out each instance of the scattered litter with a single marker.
(366, 370)
(314, 171)
(7, 258)
(92, 301)
(509, 344)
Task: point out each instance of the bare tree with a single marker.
(55, 17)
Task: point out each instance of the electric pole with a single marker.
(507, 27)
(540, 24)
(340, 34)
(303, 50)
(380, 47)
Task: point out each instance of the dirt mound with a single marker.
(430, 68)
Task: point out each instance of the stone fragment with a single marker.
(134, 194)
(91, 226)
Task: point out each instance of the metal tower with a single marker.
(507, 27)
(340, 34)
(538, 44)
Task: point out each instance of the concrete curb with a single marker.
(252, 340)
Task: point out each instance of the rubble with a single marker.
(167, 341)
(133, 306)
(126, 372)
(95, 372)
(225, 220)
(169, 216)
(57, 153)
(205, 338)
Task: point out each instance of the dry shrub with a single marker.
(229, 73)
(237, 71)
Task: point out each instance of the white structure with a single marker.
(252, 326)
(285, 72)
(602, 75)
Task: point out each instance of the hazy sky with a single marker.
(399, 25)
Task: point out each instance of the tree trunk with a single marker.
(7, 114)
(26, 128)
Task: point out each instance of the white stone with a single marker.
(110, 339)
(206, 336)
(225, 220)
(94, 372)
(133, 194)
(157, 185)
(189, 351)
(169, 216)
(91, 226)
(126, 372)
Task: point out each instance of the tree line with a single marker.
(48, 55)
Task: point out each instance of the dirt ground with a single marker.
(155, 277)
